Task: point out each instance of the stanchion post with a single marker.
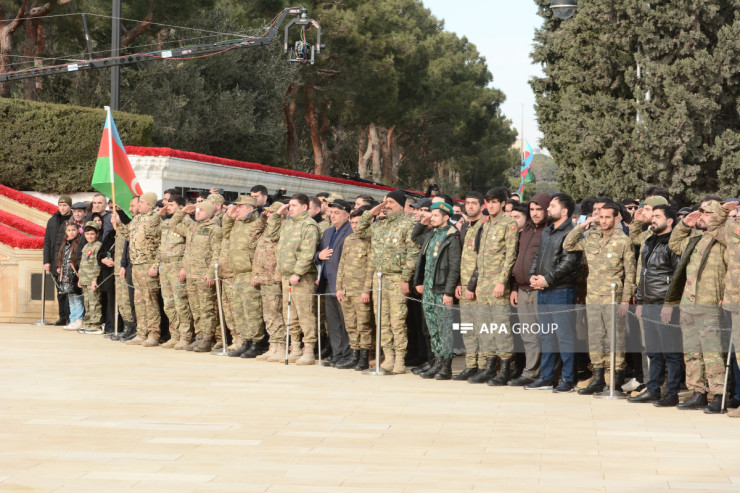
(378, 371)
(318, 324)
(287, 326)
(612, 394)
(115, 314)
(220, 316)
(43, 300)
(728, 369)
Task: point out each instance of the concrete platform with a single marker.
(80, 413)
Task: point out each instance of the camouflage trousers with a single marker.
(600, 333)
(227, 305)
(302, 317)
(146, 300)
(702, 346)
(248, 308)
(439, 321)
(202, 301)
(393, 312)
(497, 340)
(475, 356)
(358, 321)
(272, 310)
(93, 309)
(175, 300)
(123, 300)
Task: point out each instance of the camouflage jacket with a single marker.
(264, 267)
(299, 237)
(239, 236)
(706, 269)
(727, 232)
(355, 273)
(89, 267)
(496, 254)
(202, 244)
(611, 259)
(470, 248)
(172, 247)
(392, 251)
(637, 235)
(145, 236)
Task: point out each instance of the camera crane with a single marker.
(300, 52)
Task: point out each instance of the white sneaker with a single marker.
(91, 331)
(74, 325)
(631, 385)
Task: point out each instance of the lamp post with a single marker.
(563, 9)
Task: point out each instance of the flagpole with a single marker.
(109, 117)
(521, 158)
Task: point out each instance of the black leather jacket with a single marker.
(559, 266)
(657, 266)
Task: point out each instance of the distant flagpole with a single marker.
(521, 155)
(109, 118)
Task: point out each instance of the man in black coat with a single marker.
(52, 242)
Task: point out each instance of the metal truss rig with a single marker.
(301, 52)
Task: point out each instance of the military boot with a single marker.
(698, 400)
(438, 362)
(183, 342)
(421, 369)
(195, 342)
(204, 345)
(266, 355)
(445, 372)
(349, 362)
(308, 357)
(597, 384)
(465, 374)
(295, 352)
(236, 344)
(504, 374)
(363, 364)
(218, 345)
(389, 361)
(488, 373)
(151, 341)
(240, 350)
(279, 354)
(136, 341)
(399, 366)
(171, 343)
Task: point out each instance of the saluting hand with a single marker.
(731, 206)
(691, 219)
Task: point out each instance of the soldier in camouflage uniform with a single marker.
(228, 299)
(202, 249)
(144, 239)
(394, 254)
(299, 238)
(490, 283)
(354, 289)
(266, 278)
(238, 227)
(174, 289)
(88, 274)
(611, 259)
(700, 310)
(122, 290)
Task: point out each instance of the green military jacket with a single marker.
(239, 236)
(264, 266)
(202, 244)
(299, 237)
(172, 247)
(392, 251)
(727, 232)
(145, 237)
(470, 251)
(496, 255)
(89, 267)
(355, 272)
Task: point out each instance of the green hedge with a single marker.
(52, 148)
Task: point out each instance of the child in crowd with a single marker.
(68, 275)
(88, 274)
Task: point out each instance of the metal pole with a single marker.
(87, 36)
(115, 70)
(377, 371)
(220, 317)
(115, 314)
(611, 394)
(43, 300)
(287, 326)
(318, 323)
(727, 371)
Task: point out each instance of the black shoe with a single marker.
(414, 360)
(438, 362)
(350, 362)
(564, 387)
(597, 384)
(363, 363)
(61, 322)
(520, 382)
(129, 332)
(128, 337)
(715, 407)
(330, 361)
(584, 375)
(487, 374)
(696, 401)
(539, 384)
(618, 381)
(254, 350)
(425, 367)
(241, 350)
(325, 351)
(668, 400)
(503, 376)
(445, 372)
(646, 396)
(465, 374)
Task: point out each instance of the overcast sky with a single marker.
(502, 30)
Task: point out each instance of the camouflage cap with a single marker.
(92, 224)
(216, 198)
(150, 198)
(274, 207)
(656, 200)
(334, 196)
(712, 206)
(245, 200)
(206, 206)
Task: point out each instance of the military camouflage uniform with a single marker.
(122, 295)
(354, 277)
(144, 240)
(248, 300)
(475, 356)
(228, 299)
(174, 292)
(438, 316)
(394, 254)
(494, 263)
(264, 272)
(202, 249)
(88, 272)
(611, 259)
(700, 310)
(299, 238)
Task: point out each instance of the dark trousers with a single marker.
(558, 332)
(108, 301)
(664, 347)
(62, 302)
(338, 337)
(130, 283)
(419, 345)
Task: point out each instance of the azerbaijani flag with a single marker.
(114, 177)
(526, 166)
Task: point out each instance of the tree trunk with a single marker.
(312, 120)
(385, 152)
(289, 110)
(33, 46)
(374, 142)
(362, 165)
(338, 141)
(395, 153)
(6, 44)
